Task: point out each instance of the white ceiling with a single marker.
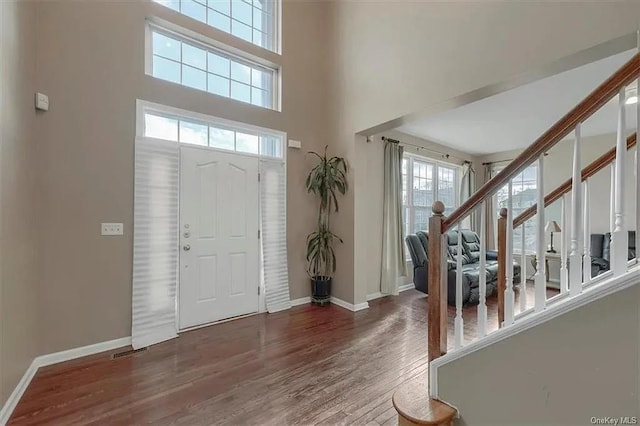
(515, 118)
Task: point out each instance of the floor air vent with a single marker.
(128, 353)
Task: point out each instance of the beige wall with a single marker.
(395, 58)
(561, 373)
(91, 64)
(18, 195)
(369, 199)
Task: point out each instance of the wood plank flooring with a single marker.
(309, 365)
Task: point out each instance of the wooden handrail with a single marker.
(593, 168)
(585, 109)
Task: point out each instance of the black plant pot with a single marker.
(320, 290)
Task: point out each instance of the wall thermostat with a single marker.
(42, 102)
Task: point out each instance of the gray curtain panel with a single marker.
(393, 255)
(468, 187)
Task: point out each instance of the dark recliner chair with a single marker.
(601, 251)
(418, 248)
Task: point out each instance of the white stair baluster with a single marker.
(523, 273)
(540, 277)
(619, 237)
(575, 258)
(612, 199)
(564, 276)
(458, 323)
(509, 298)
(586, 258)
(482, 306)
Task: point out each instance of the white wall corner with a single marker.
(349, 306)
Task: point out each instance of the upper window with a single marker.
(251, 20)
(425, 181)
(524, 195)
(183, 129)
(202, 67)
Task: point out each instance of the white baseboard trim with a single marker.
(378, 295)
(349, 306)
(339, 302)
(374, 296)
(17, 393)
(57, 357)
(406, 287)
(590, 294)
(301, 301)
(50, 359)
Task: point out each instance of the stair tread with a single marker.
(412, 402)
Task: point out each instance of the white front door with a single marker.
(219, 260)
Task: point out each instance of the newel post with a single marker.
(437, 287)
(502, 263)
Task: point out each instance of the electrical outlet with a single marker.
(112, 229)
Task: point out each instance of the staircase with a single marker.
(577, 287)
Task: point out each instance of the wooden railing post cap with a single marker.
(503, 212)
(438, 208)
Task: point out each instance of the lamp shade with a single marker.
(552, 226)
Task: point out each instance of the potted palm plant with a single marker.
(327, 179)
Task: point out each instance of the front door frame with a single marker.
(142, 106)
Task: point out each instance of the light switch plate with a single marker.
(42, 102)
(112, 229)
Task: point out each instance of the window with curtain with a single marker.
(524, 195)
(423, 182)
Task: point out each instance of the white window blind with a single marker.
(155, 241)
(274, 235)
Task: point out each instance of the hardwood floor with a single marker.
(308, 365)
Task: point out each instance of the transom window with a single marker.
(250, 20)
(423, 182)
(191, 64)
(161, 125)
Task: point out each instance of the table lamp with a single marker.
(552, 226)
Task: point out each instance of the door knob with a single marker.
(186, 247)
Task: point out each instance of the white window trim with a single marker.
(458, 177)
(275, 25)
(214, 46)
(143, 107)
